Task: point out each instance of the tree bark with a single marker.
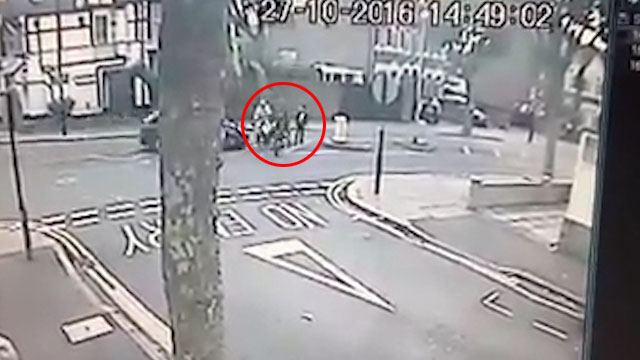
(555, 65)
(191, 104)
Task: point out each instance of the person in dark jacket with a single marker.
(300, 124)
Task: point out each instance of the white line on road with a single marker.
(466, 150)
(490, 301)
(149, 323)
(277, 188)
(120, 211)
(326, 183)
(253, 197)
(306, 186)
(85, 217)
(149, 202)
(282, 194)
(151, 210)
(54, 220)
(550, 330)
(249, 190)
(119, 207)
(226, 200)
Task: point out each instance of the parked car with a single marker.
(230, 133)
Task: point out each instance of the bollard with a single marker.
(378, 170)
(340, 132)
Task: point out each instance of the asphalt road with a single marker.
(399, 303)
(423, 307)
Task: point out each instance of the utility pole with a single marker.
(191, 105)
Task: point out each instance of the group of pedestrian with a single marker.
(276, 130)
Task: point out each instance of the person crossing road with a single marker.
(300, 124)
(262, 122)
(281, 134)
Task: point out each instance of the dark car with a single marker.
(230, 133)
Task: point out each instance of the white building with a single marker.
(104, 53)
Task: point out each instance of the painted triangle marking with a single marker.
(276, 252)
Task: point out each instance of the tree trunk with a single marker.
(555, 65)
(191, 103)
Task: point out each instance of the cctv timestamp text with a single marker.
(434, 13)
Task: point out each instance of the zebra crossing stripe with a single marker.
(80, 218)
(120, 210)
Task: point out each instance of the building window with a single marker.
(101, 30)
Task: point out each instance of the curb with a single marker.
(515, 280)
(472, 136)
(49, 139)
(146, 328)
(427, 148)
(349, 146)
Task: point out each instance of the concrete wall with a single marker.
(575, 240)
(510, 192)
(575, 237)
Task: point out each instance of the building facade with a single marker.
(99, 53)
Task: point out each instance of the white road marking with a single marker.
(150, 324)
(273, 252)
(149, 202)
(491, 302)
(249, 190)
(57, 220)
(292, 216)
(122, 210)
(306, 186)
(326, 183)
(231, 224)
(154, 230)
(550, 330)
(497, 153)
(466, 150)
(132, 241)
(282, 194)
(85, 217)
(226, 200)
(254, 197)
(152, 210)
(277, 188)
(318, 191)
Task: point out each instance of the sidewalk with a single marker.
(437, 204)
(116, 132)
(39, 299)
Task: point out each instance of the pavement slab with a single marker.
(38, 298)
